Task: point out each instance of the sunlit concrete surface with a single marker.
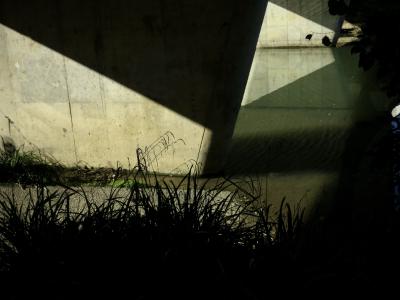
(305, 115)
(107, 78)
(52, 103)
(276, 68)
(57, 97)
(288, 22)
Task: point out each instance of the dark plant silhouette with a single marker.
(157, 238)
(376, 44)
(188, 239)
(27, 167)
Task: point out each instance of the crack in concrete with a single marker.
(70, 109)
(200, 146)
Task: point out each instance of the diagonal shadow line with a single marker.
(323, 88)
(267, 138)
(284, 97)
(316, 11)
(191, 57)
(255, 141)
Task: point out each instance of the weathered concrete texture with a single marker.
(273, 69)
(288, 22)
(76, 115)
(94, 80)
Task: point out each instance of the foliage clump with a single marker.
(376, 44)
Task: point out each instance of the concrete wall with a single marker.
(288, 22)
(51, 102)
(93, 80)
(310, 127)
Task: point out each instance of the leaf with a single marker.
(326, 41)
(337, 7)
(366, 61)
(356, 49)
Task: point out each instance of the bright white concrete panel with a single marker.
(288, 22)
(273, 69)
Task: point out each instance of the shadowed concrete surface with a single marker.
(171, 52)
(318, 128)
(310, 116)
(93, 81)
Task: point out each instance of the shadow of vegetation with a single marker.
(307, 124)
(333, 148)
(332, 120)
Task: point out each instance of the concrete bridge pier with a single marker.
(88, 82)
